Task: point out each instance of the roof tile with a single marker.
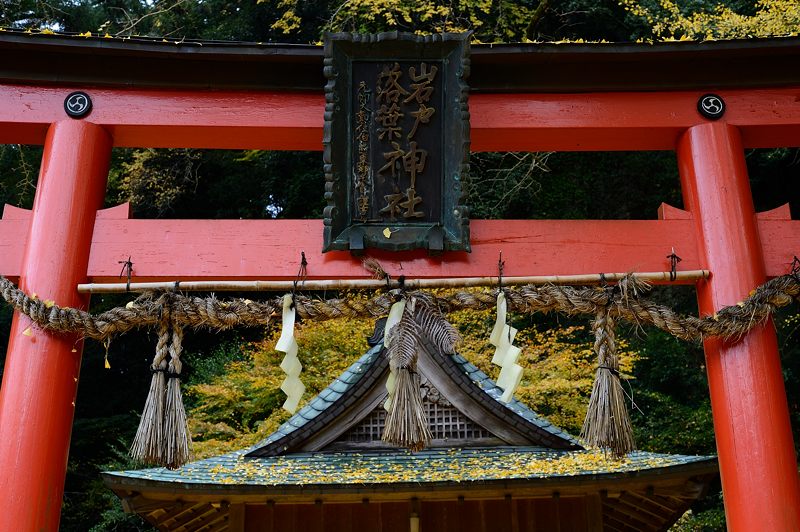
(427, 466)
(320, 404)
(326, 401)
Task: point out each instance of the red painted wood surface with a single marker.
(40, 380)
(751, 419)
(499, 122)
(263, 249)
(241, 249)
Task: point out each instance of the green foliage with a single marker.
(19, 171)
(489, 20)
(207, 365)
(674, 19)
(232, 20)
(495, 20)
(706, 518)
(98, 445)
(305, 20)
(218, 183)
(667, 425)
(242, 404)
(788, 326)
(558, 362)
(774, 174)
(158, 178)
(607, 185)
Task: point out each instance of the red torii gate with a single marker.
(66, 239)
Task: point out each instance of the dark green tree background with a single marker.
(670, 386)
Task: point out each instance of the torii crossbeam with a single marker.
(66, 239)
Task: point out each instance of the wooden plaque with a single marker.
(396, 141)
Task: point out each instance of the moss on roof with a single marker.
(400, 467)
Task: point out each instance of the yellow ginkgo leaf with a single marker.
(27, 332)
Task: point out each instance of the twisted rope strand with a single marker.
(607, 423)
(730, 323)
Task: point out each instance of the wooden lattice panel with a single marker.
(444, 421)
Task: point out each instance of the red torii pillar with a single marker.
(748, 398)
(37, 398)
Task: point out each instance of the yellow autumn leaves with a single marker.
(772, 18)
(451, 466)
(242, 406)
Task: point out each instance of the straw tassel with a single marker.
(406, 422)
(176, 431)
(395, 313)
(163, 436)
(607, 424)
(147, 445)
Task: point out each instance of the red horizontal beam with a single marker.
(500, 122)
(270, 249)
(234, 249)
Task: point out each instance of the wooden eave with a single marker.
(61, 59)
(676, 480)
(648, 500)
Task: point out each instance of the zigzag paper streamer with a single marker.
(505, 353)
(292, 386)
(395, 313)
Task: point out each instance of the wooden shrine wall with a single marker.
(574, 514)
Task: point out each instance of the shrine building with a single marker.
(491, 466)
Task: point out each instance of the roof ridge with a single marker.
(323, 401)
(490, 388)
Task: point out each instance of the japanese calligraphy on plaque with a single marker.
(396, 142)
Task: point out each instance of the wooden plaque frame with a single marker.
(352, 225)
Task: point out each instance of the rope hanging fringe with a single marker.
(395, 313)
(406, 422)
(147, 444)
(729, 323)
(411, 322)
(163, 438)
(176, 431)
(607, 424)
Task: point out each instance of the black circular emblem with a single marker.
(711, 106)
(77, 104)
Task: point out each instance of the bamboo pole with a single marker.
(412, 284)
